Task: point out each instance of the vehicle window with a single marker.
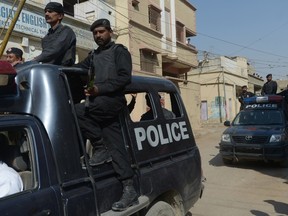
(142, 105)
(259, 117)
(16, 161)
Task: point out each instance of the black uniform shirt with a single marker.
(269, 88)
(112, 66)
(110, 81)
(58, 46)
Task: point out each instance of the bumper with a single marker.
(275, 152)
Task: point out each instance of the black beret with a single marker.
(54, 6)
(16, 51)
(268, 75)
(244, 86)
(101, 23)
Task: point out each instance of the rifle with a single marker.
(90, 79)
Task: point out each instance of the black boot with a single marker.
(100, 154)
(129, 196)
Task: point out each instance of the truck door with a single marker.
(21, 146)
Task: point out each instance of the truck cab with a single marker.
(40, 136)
(259, 132)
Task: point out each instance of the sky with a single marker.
(254, 29)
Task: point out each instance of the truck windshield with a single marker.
(259, 117)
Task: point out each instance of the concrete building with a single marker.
(158, 33)
(221, 80)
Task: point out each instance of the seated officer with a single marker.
(149, 114)
(10, 180)
(14, 56)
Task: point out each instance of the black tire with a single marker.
(284, 163)
(227, 161)
(161, 209)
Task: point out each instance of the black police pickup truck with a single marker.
(260, 131)
(38, 120)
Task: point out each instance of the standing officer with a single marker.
(99, 122)
(270, 87)
(244, 94)
(59, 45)
(14, 56)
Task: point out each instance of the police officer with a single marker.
(14, 56)
(244, 94)
(270, 87)
(99, 122)
(59, 45)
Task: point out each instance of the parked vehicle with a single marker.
(259, 132)
(38, 119)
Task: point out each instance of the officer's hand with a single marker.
(92, 91)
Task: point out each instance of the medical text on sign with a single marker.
(161, 134)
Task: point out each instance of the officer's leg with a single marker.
(121, 164)
(91, 130)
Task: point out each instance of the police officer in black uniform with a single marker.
(59, 45)
(244, 94)
(99, 121)
(270, 87)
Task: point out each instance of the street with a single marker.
(246, 188)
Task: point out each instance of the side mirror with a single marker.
(227, 123)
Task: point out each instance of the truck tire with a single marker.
(284, 163)
(161, 209)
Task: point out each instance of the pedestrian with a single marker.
(244, 94)
(59, 45)
(14, 56)
(270, 87)
(99, 119)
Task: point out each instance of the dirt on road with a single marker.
(246, 188)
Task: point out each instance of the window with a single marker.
(143, 106)
(148, 60)
(15, 152)
(180, 32)
(154, 18)
(189, 35)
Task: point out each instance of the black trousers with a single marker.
(96, 124)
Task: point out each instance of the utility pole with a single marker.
(11, 27)
(219, 99)
(225, 105)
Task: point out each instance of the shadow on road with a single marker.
(259, 213)
(279, 208)
(271, 169)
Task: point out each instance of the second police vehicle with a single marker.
(259, 132)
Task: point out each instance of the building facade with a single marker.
(221, 80)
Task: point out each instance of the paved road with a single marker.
(247, 188)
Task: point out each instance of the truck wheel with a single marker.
(161, 209)
(284, 163)
(227, 161)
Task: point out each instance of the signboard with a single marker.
(28, 22)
